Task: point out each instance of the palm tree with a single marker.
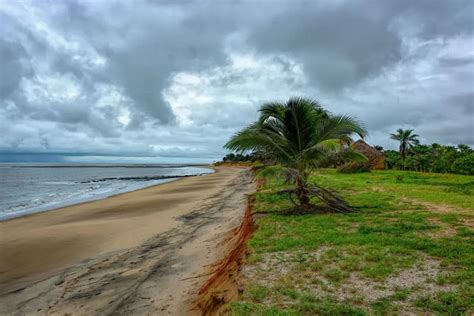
(407, 140)
(299, 134)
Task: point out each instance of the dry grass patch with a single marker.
(445, 230)
(325, 273)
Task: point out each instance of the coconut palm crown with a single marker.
(407, 140)
(298, 134)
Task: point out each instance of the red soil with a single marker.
(222, 287)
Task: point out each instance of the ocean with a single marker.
(30, 188)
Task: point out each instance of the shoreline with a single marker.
(80, 200)
(166, 233)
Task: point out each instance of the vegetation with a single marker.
(433, 158)
(407, 140)
(299, 135)
(408, 250)
(231, 157)
(412, 156)
(353, 167)
(464, 165)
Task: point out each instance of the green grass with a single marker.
(404, 220)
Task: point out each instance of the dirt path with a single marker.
(157, 276)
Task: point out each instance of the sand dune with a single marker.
(136, 253)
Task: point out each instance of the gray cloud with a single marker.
(147, 44)
(11, 54)
(338, 45)
(175, 79)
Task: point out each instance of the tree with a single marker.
(432, 158)
(464, 149)
(423, 158)
(299, 134)
(392, 158)
(464, 165)
(407, 140)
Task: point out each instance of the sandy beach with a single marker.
(143, 252)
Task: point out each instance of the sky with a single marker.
(171, 81)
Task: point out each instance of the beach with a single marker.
(142, 252)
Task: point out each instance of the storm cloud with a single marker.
(166, 81)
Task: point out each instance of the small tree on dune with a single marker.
(299, 135)
(407, 140)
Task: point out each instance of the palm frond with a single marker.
(338, 126)
(274, 110)
(354, 155)
(288, 175)
(256, 138)
(322, 148)
(395, 136)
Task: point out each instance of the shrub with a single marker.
(354, 167)
(464, 165)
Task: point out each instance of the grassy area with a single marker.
(408, 249)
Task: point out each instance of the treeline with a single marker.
(433, 158)
(237, 158)
(425, 158)
(428, 158)
(411, 156)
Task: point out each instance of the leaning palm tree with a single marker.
(407, 140)
(299, 134)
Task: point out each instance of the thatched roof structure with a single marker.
(376, 158)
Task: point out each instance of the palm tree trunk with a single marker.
(403, 150)
(403, 154)
(302, 194)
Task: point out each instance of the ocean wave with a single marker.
(45, 191)
(60, 182)
(144, 178)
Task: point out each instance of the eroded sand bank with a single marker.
(142, 252)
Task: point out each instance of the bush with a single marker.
(464, 165)
(354, 167)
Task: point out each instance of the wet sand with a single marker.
(139, 253)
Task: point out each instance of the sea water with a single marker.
(30, 188)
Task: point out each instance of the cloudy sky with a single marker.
(170, 81)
